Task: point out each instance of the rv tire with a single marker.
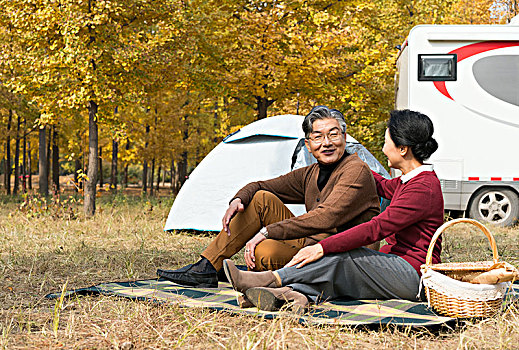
(498, 206)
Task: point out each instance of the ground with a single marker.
(48, 247)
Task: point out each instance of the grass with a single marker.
(53, 249)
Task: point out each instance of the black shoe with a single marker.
(201, 275)
(189, 278)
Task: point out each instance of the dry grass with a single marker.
(41, 253)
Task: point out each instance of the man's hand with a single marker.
(307, 255)
(234, 207)
(250, 260)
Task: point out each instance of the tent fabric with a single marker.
(204, 197)
(259, 151)
(367, 157)
(286, 126)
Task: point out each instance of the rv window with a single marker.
(436, 67)
(499, 76)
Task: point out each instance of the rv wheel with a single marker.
(496, 206)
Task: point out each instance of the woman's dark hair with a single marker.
(413, 129)
(322, 112)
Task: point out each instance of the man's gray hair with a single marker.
(322, 112)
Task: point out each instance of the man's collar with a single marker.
(333, 165)
(414, 172)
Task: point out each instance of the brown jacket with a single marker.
(348, 199)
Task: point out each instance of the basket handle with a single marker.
(448, 224)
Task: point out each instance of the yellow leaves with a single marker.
(44, 119)
(320, 18)
(478, 12)
(210, 60)
(63, 68)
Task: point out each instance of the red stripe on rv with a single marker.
(474, 49)
(471, 50)
(495, 179)
(440, 85)
(516, 178)
(473, 178)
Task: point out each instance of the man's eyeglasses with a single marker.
(332, 136)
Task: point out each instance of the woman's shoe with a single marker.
(272, 299)
(243, 280)
(243, 302)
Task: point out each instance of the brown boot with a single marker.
(243, 280)
(272, 299)
(243, 302)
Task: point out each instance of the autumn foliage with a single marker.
(157, 84)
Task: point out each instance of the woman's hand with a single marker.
(307, 255)
(250, 259)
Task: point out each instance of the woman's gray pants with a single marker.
(358, 274)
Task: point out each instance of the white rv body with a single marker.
(475, 111)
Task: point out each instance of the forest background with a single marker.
(124, 92)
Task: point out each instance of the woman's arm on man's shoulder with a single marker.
(385, 187)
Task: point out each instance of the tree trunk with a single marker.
(55, 160)
(42, 163)
(262, 107)
(101, 180)
(216, 123)
(29, 164)
(173, 177)
(76, 175)
(2, 171)
(24, 161)
(7, 172)
(152, 175)
(182, 170)
(49, 154)
(91, 183)
(125, 176)
(83, 163)
(262, 104)
(145, 163)
(115, 152)
(145, 177)
(158, 179)
(17, 157)
(177, 177)
(182, 165)
(297, 105)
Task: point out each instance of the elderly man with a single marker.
(338, 191)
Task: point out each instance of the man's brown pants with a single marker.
(264, 209)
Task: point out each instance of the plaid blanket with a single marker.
(223, 298)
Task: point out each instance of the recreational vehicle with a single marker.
(466, 79)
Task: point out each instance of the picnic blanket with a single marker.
(223, 298)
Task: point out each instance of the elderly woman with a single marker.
(340, 266)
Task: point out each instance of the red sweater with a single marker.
(407, 224)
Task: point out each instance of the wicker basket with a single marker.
(467, 302)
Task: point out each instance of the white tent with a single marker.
(259, 151)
